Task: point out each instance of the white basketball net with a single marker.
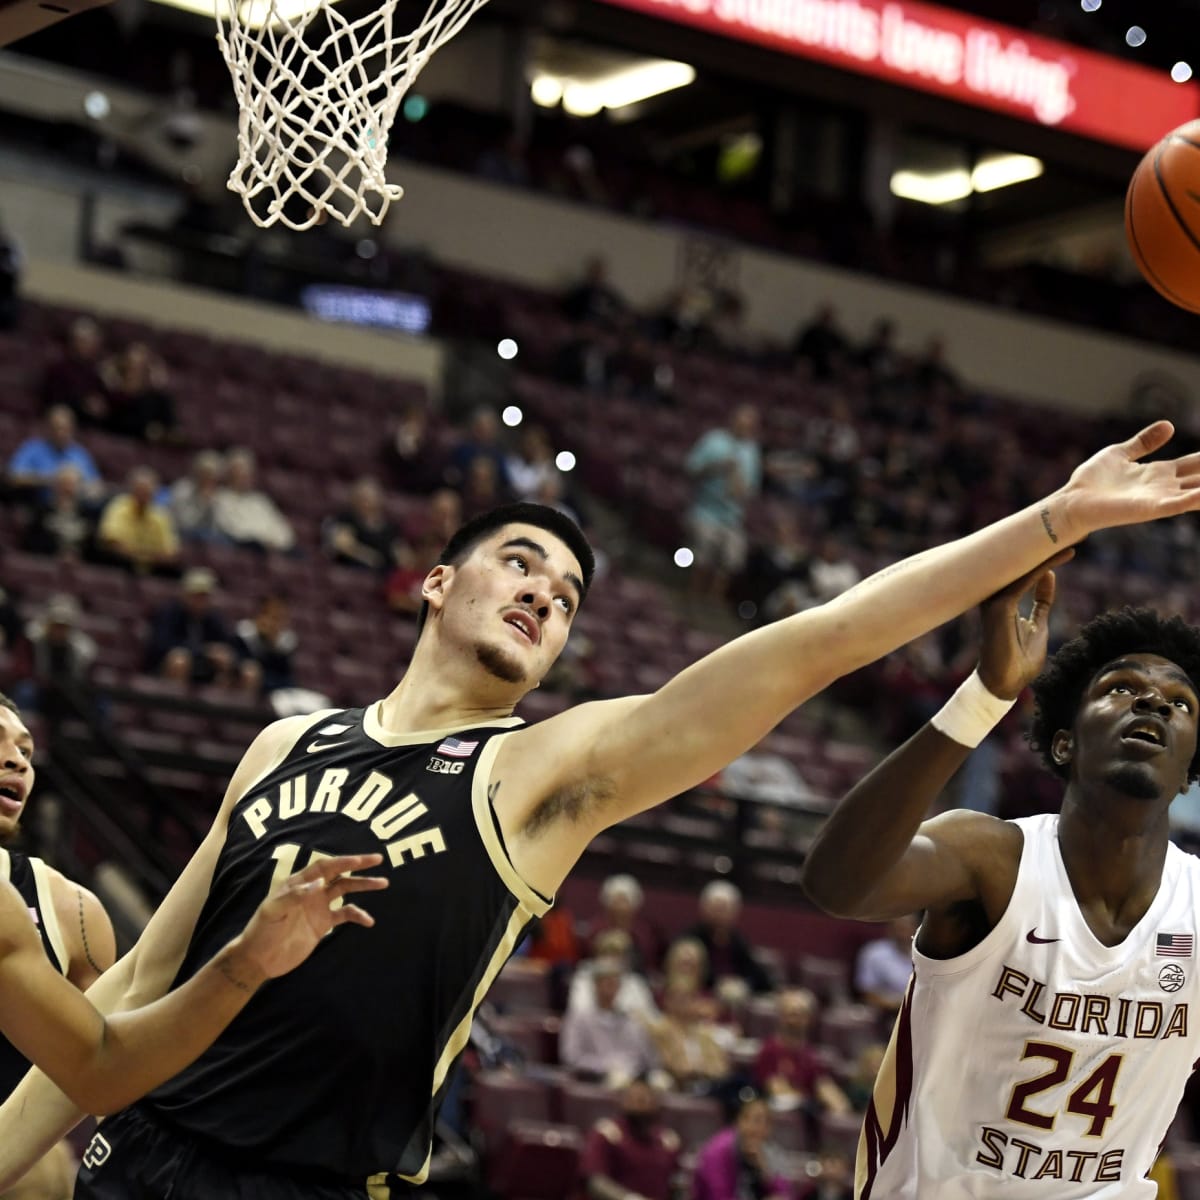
(316, 110)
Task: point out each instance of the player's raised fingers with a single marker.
(357, 883)
(1043, 597)
(351, 914)
(331, 868)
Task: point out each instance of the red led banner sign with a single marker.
(958, 56)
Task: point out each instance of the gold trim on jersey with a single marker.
(458, 1039)
(538, 905)
(41, 878)
(376, 732)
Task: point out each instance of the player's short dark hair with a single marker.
(10, 704)
(1059, 689)
(469, 535)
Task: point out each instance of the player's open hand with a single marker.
(300, 911)
(1115, 488)
(1014, 646)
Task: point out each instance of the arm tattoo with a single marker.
(87, 950)
(226, 970)
(1047, 526)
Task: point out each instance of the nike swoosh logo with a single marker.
(317, 747)
(1032, 936)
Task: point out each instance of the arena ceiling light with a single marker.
(613, 90)
(945, 187)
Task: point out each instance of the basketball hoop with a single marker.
(317, 100)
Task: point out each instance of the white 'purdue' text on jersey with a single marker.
(1040, 1063)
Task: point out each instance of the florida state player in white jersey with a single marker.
(1053, 1016)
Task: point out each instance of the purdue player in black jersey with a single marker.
(76, 934)
(326, 1086)
(107, 1063)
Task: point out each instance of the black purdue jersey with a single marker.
(336, 1069)
(31, 879)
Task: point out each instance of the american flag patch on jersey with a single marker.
(457, 749)
(1174, 945)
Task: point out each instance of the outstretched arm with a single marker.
(104, 1065)
(600, 763)
(876, 857)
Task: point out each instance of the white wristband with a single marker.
(971, 713)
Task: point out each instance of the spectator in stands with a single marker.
(62, 524)
(414, 460)
(632, 1156)
(766, 778)
(192, 500)
(834, 1179)
(686, 964)
(362, 535)
(442, 516)
(139, 402)
(688, 1042)
(10, 279)
(878, 353)
(531, 463)
(74, 378)
(737, 1162)
(136, 531)
(593, 298)
(245, 514)
(482, 489)
(861, 1082)
(605, 1044)
(32, 468)
(633, 996)
(61, 653)
(789, 1069)
(621, 900)
(831, 571)
(480, 440)
(728, 951)
(189, 639)
(884, 967)
(14, 645)
(726, 465)
(930, 371)
(822, 344)
(403, 588)
(267, 642)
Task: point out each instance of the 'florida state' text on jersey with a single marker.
(335, 1070)
(1040, 1063)
(31, 879)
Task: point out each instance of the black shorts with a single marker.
(134, 1157)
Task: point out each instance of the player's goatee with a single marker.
(495, 662)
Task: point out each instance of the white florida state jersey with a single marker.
(1040, 1063)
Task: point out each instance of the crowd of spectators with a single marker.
(706, 1014)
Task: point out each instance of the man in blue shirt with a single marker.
(36, 460)
(727, 467)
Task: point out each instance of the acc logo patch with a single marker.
(1171, 978)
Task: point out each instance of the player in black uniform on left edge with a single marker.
(76, 934)
(106, 1062)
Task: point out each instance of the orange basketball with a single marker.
(1162, 216)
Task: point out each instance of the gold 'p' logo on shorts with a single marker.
(98, 1152)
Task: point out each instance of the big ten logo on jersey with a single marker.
(443, 766)
(97, 1153)
(326, 792)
